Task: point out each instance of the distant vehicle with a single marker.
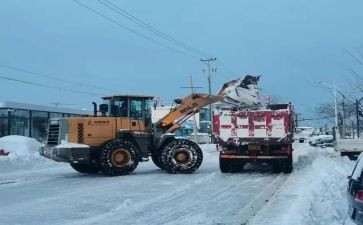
(355, 193)
(303, 133)
(349, 147)
(302, 140)
(322, 142)
(254, 136)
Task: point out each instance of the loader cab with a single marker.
(134, 111)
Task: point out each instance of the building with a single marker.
(30, 120)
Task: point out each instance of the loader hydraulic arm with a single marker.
(186, 108)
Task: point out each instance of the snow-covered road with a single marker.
(55, 194)
(148, 196)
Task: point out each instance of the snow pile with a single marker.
(315, 193)
(23, 154)
(19, 145)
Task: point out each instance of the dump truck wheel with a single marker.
(225, 165)
(118, 158)
(85, 168)
(230, 165)
(181, 156)
(287, 165)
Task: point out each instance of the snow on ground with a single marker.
(23, 154)
(315, 193)
(52, 193)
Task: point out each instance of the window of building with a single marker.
(19, 122)
(3, 126)
(4, 112)
(3, 122)
(56, 115)
(39, 125)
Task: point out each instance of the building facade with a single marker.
(30, 120)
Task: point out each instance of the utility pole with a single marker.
(195, 130)
(357, 115)
(296, 121)
(335, 106)
(208, 62)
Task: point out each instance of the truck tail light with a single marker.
(359, 196)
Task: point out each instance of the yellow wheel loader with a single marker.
(120, 134)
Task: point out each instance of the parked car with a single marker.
(349, 147)
(301, 140)
(355, 193)
(322, 142)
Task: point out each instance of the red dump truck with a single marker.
(254, 136)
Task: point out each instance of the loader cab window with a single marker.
(118, 107)
(136, 109)
(148, 110)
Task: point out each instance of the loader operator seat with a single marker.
(123, 109)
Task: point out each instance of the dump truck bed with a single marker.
(246, 126)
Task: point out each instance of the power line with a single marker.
(223, 65)
(161, 34)
(52, 77)
(150, 28)
(131, 30)
(48, 86)
(112, 6)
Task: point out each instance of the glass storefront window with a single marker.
(27, 122)
(39, 125)
(20, 113)
(56, 115)
(4, 112)
(19, 126)
(3, 126)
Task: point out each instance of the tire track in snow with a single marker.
(190, 204)
(252, 208)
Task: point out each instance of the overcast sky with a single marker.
(289, 43)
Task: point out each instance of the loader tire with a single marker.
(181, 156)
(155, 156)
(85, 168)
(287, 165)
(230, 165)
(119, 157)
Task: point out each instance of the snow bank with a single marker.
(315, 193)
(24, 154)
(19, 145)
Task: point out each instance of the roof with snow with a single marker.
(34, 107)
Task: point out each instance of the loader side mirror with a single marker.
(178, 101)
